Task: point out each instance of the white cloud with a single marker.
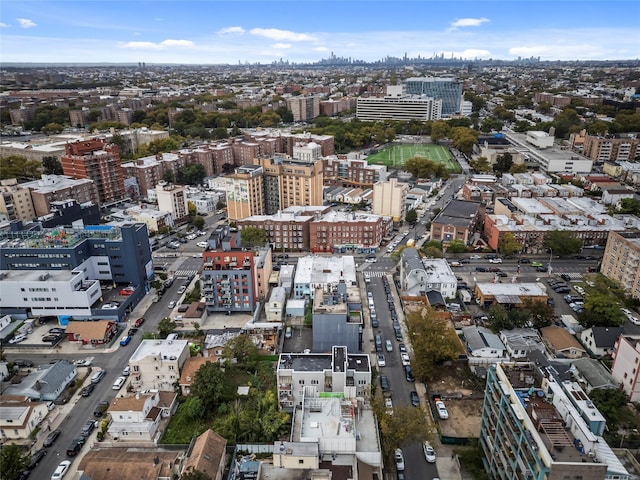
(229, 30)
(282, 35)
(467, 22)
(281, 45)
(4, 25)
(26, 23)
(177, 43)
(143, 45)
(321, 49)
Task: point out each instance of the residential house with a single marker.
(46, 383)
(99, 463)
(413, 276)
(561, 343)
(276, 305)
(91, 333)
(592, 374)
(137, 418)
(600, 341)
(189, 370)
(208, 455)
(156, 364)
(482, 344)
(520, 342)
(20, 417)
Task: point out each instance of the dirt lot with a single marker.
(463, 394)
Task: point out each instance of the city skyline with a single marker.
(221, 32)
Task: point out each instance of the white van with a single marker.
(21, 337)
(172, 336)
(117, 385)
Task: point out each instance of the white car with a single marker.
(405, 358)
(202, 244)
(371, 260)
(117, 385)
(389, 346)
(429, 452)
(579, 289)
(172, 304)
(399, 460)
(126, 371)
(442, 410)
(495, 260)
(61, 470)
(381, 360)
(388, 405)
(474, 257)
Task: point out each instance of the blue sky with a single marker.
(210, 31)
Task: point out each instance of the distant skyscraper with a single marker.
(447, 89)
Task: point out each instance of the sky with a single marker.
(229, 32)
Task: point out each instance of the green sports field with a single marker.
(396, 155)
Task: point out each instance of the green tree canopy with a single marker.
(504, 163)
(457, 246)
(425, 168)
(51, 165)
(15, 166)
(439, 130)
(562, 242)
(13, 460)
(411, 216)
(251, 237)
(509, 244)
(481, 165)
(209, 385)
(241, 349)
(166, 326)
(198, 222)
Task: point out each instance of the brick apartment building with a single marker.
(98, 161)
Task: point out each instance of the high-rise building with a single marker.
(98, 161)
(173, 199)
(389, 198)
(446, 89)
(245, 192)
(538, 424)
(610, 148)
(304, 108)
(53, 188)
(289, 183)
(15, 200)
(621, 260)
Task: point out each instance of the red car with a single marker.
(139, 322)
(126, 291)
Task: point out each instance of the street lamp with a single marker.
(549, 269)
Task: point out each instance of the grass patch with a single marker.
(397, 155)
(182, 428)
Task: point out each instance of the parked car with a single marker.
(172, 304)
(495, 260)
(442, 410)
(23, 362)
(138, 322)
(429, 452)
(100, 408)
(18, 338)
(408, 375)
(35, 459)
(51, 438)
(482, 269)
(87, 428)
(381, 360)
(536, 264)
(399, 457)
(75, 447)
(117, 385)
(384, 384)
(125, 340)
(415, 399)
(404, 357)
(61, 470)
(126, 371)
(88, 390)
(50, 338)
(388, 405)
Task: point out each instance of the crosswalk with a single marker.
(574, 276)
(374, 274)
(185, 273)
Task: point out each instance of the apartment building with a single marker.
(458, 220)
(341, 232)
(99, 161)
(621, 260)
(626, 356)
(301, 375)
(172, 198)
(149, 171)
(156, 364)
(304, 108)
(53, 188)
(343, 172)
(538, 425)
(554, 100)
(139, 418)
(389, 198)
(57, 271)
(610, 148)
(228, 277)
(15, 200)
(245, 192)
(321, 271)
(398, 107)
(446, 90)
(287, 230)
(337, 317)
(291, 183)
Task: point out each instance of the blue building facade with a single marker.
(447, 89)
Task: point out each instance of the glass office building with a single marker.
(447, 89)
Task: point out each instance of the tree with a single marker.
(209, 385)
(16, 166)
(439, 130)
(434, 343)
(610, 403)
(166, 326)
(192, 208)
(480, 165)
(457, 246)
(509, 244)
(498, 318)
(503, 163)
(241, 349)
(562, 242)
(411, 216)
(541, 313)
(52, 128)
(628, 206)
(169, 176)
(403, 427)
(12, 461)
(198, 222)
(251, 237)
(518, 168)
(51, 165)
